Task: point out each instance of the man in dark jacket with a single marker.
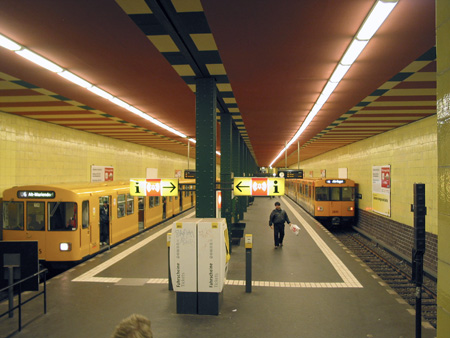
(276, 222)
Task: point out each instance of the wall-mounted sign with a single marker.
(154, 187)
(258, 186)
(381, 189)
(101, 173)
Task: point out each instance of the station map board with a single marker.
(154, 187)
(258, 186)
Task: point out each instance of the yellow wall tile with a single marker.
(412, 153)
(38, 152)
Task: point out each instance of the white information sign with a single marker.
(183, 255)
(212, 255)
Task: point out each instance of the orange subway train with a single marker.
(331, 201)
(72, 222)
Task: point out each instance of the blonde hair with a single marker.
(135, 326)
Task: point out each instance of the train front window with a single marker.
(13, 215)
(62, 216)
(35, 216)
(322, 194)
(335, 194)
(348, 194)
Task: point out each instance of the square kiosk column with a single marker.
(212, 264)
(199, 255)
(183, 264)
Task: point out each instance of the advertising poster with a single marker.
(101, 173)
(381, 189)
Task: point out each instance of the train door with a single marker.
(335, 204)
(85, 232)
(105, 219)
(164, 207)
(181, 200)
(141, 204)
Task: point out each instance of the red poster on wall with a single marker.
(386, 177)
(109, 174)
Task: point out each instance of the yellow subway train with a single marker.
(331, 201)
(74, 221)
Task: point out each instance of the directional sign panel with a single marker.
(258, 186)
(154, 187)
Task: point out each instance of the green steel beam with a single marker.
(205, 162)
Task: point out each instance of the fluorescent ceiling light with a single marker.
(100, 92)
(379, 13)
(353, 51)
(373, 21)
(119, 102)
(329, 88)
(39, 60)
(75, 79)
(9, 44)
(339, 73)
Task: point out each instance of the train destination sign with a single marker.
(154, 187)
(258, 186)
(35, 194)
(335, 181)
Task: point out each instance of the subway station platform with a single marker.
(311, 287)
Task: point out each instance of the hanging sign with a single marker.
(258, 186)
(154, 187)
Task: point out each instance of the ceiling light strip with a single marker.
(53, 67)
(373, 21)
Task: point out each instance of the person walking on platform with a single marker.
(276, 222)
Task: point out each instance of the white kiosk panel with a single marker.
(212, 255)
(183, 255)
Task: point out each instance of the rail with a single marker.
(19, 305)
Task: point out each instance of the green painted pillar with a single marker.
(205, 161)
(242, 199)
(225, 165)
(235, 167)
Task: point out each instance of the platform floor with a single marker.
(312, 287)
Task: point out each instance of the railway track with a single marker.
(395, 272)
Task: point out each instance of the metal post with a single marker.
(189, 151)
(285, 154)
(11, 290)
(298, 155)
(248, 263)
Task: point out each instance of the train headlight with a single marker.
(350, 208)
(65, 246)
(319, 209)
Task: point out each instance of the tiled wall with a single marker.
(443, 113)
(412, 153)
(38, 152)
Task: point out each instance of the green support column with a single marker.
(242, 199)
(205, 162)
(225, 165)
(235, 167)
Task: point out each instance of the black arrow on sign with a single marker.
(173, 187)
(243, 186)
